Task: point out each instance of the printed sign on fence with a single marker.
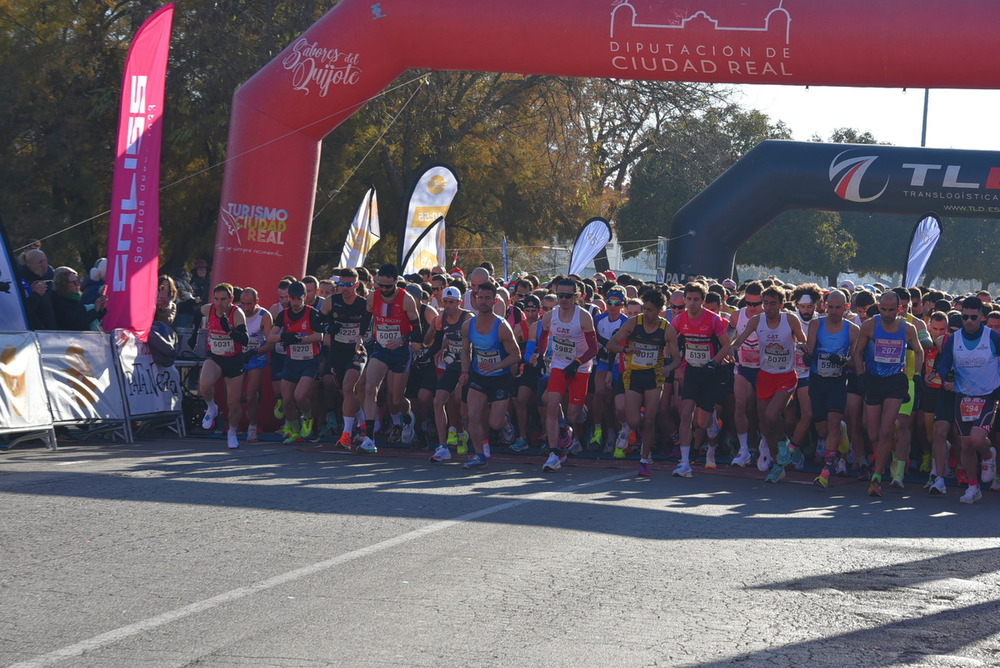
(23, 404)
(148, 387)
(80, 376)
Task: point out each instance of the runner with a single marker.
(300, 328)
(704, 341)
(606, 324)
(574, 346)
(972, 353)
(397, 334)
(278, 352)
(347, 319)
(445, 340)
(747, 367)
(828, 346)
(778, 332)
(227, 334)
(259, 323)
(939, 405)
(879, 357)
(489, 354)
(643, 339)
(527, 380)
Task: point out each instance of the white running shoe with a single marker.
(622, 441)
(252, 434)
(508, 433)
(368, 446)
(575, 447)
(763, 460)
(937, 487)
(988, 469)
(409, 430)
(486, 451)
(972, 495)
(841, 467)
(710, 461)
(442, 454)
(553, 463)
(683, 470)
(742, 459)
(232, 442)
(208, 422)
(713, 426)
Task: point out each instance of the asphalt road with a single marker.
(177, 553)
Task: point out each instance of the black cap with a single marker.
(297, 290)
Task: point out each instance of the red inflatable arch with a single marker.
(281, 115)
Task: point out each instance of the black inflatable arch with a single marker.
(779, 175)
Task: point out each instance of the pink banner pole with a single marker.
(134, 232)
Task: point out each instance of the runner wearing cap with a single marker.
(300, 328)
(227, 334)
(444, 340)
(347, 318)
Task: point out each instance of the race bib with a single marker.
(487, 357)
(257, 339)
(971, 408)
(386, 334)
(349, 332)
(563, 348)
(750, 356)
(777, 357)
(279, 348)
(826, 368)
(697, 354)
(301, 351)
(644, 355)
(889, 351)
(222, 346)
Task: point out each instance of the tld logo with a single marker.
(851, 173)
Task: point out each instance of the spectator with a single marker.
(201, 282)
(166, 295)
(36, 278)
(94, 285)
(71, 313)
(186, 302)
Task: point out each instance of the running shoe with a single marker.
(764, 460)
(710, 461)
(875, 488)
(452, 437)
(232, 442)
(597, 438)
(683, 470)
(775, 475)
(896, 483)
(279, 410)
(988, 469)
(345, 441)
(619, 453)
(714, 426)
(575, 447)
(208, 422)
(252, 434)
(742, 459)
(798, 459)
(368, 446)
(486, 451)
(520, 445)
(442, 454)
(609, 448)
(622, 442)
(307, 428)
(784, 453)
(820, 453)
(937, 487)
(995, 487)
(972, 495)
(463, 443)
(644, 471)
(823, 479)
(925, 463)
(553, 463)
(864, 473)
(408, 432)
(476, 461)
(507, 432)
(293, 437)
(841, 467)
(396, 433)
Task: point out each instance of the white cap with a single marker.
(729, 284)
(847, 285)
(451, 293)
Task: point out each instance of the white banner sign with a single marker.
(23, 404)
(593, 238)
(80, 376)
(924, 239)
(364, 232)
(11, 307)
(149, 388)
(431, 199)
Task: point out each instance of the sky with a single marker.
(964, 119)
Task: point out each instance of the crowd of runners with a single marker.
(863, 381)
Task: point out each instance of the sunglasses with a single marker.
(345, 285)
(973, 317)
(387, 286)
(615, 302)
(750, 303)
(677, 307)
(565, 295)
